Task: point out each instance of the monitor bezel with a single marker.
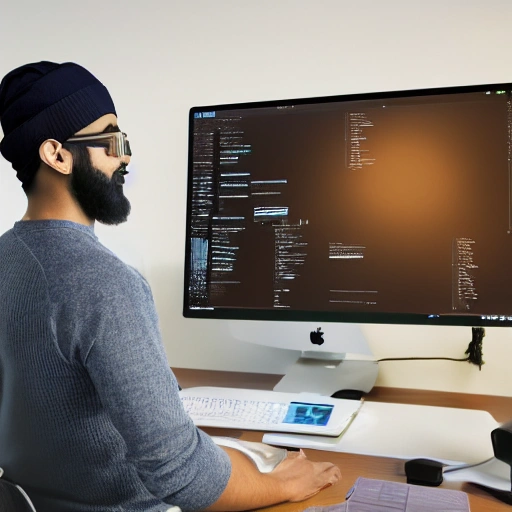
(231, 313)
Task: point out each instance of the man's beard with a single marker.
(100, 197)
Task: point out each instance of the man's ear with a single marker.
(55, 156)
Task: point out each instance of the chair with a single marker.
(13, 498)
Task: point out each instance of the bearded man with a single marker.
(90, 415)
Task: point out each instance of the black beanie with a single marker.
(45, 100)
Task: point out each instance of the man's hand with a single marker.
(295, 479)
(304, 478)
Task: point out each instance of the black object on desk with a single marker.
(430, 472)
(424, 472)
(501, 438)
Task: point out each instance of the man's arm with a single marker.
(295, 479)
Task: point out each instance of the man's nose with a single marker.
(125, 159)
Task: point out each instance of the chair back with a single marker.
(12, 497)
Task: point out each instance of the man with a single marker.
(90, 416)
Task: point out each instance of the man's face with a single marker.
(100, 196)
(97, 178)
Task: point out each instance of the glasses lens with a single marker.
(127, 149)
(119, 145)
(116, 143)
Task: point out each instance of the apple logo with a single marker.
(316, 336)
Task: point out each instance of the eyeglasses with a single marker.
(116, 143)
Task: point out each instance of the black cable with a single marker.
(474, 352)
(420, 359)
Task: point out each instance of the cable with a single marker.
(473, 352)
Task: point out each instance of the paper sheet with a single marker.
(369, 495)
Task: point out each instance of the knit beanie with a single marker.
(45, 100)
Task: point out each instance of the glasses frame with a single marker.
(117, 146)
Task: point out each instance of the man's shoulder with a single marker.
(72, 256)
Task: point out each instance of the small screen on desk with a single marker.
(308, 414)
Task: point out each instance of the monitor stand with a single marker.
(331, 374)
(334, 359)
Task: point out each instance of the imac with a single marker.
(309, 215)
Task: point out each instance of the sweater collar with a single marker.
(37, 225)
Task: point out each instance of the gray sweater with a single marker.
(90, 417)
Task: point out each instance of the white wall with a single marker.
(159, 58)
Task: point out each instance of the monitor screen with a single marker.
(372, 208)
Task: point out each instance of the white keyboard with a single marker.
(272, 411)
(236, 412)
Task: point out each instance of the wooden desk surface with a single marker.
(353, 466)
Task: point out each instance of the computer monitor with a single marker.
(391, 207)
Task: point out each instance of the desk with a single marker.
(352, 466)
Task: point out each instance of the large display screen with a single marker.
(383, 208)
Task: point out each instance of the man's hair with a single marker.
(42, 101)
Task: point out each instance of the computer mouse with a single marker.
(348, 394)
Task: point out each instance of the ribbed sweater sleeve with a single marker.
(128, 367)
